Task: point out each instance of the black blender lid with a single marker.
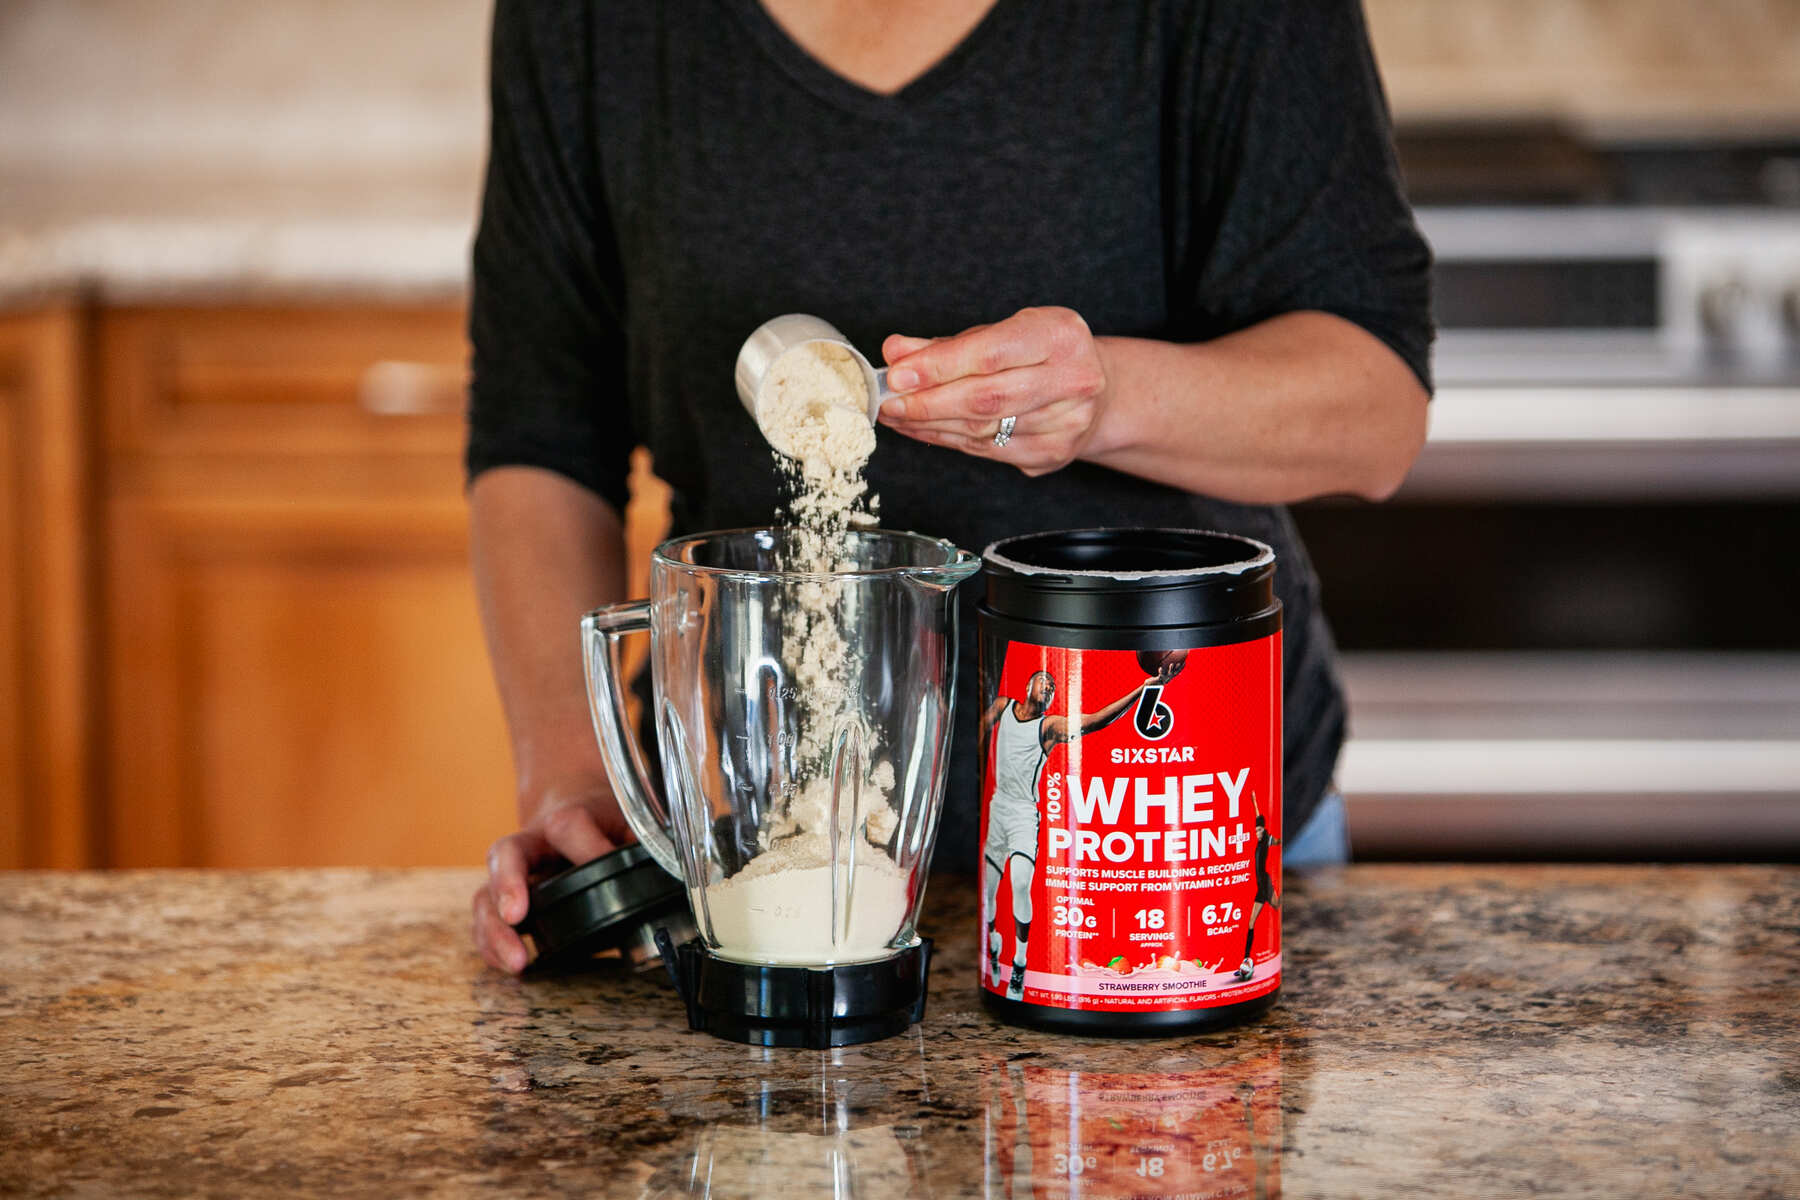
(604, 904)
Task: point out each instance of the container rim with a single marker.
(958, 563)
(1263, 555)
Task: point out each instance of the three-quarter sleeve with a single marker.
(548, 370)
(1295, 197)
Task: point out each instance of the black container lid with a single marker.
(1130, 577)
(613, 902)
(811, 1007)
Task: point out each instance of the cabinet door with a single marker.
(295, 673)
(284, 383)
(299, 680)
(45, 655)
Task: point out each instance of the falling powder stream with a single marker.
(813, 409)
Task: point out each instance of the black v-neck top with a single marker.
(840, 92)
(663, 177)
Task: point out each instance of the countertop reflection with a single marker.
(1002, 1122)
(1447, 1030)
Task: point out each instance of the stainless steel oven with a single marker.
(1599, 652)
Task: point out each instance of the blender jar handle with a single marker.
(619, 746)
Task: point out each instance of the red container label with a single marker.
(1131, 825)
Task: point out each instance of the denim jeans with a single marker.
(1323, 841)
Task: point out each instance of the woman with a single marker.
(1130, 264)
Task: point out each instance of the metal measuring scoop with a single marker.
(776, 337)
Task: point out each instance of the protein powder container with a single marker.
(1130, 717)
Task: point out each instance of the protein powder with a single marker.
(779, 909)
(1131, 780)
(813, 408)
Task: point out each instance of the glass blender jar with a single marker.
(803, 720)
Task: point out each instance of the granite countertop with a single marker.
(1448, 1030)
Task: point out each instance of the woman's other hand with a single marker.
(574, 823)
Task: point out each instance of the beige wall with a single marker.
(302, 83)
(266, 85)
(1616, 66)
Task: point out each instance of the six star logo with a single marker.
(1154, 719)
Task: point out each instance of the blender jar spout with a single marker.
(947, 576)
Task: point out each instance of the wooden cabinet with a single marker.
(294, 668)
(46, 655)
(237, 626)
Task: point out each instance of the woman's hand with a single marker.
(576, 823)
(1041, 367)
(1300, 405)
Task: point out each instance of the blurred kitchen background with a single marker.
(236, 626)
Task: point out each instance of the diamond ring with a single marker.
(1004, 435)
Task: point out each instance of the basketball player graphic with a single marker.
(1021, 734)
(1265, 886)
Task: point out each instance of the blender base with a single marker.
(811, 1007)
